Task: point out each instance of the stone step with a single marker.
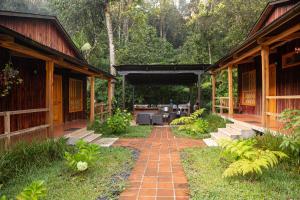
(91, 138)
(245, 131)
(210, 142)
(105, 142)
(217, 136)
(230, 132)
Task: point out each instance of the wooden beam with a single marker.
(230, 90)
(92, 99)
(109, 94)
(284, 97)
(7, 130)
(265, 82)
(49, 96)
(282, 35)
(123, 91)
(199, 90)
(213, 83)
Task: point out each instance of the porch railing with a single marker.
(288, 97)
(101, 110)
(7, 126)
(223, 103)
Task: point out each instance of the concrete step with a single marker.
(217, 136)
(210, 142)
(230, 132)
(91, 138)
(245, 131)
(105, 142)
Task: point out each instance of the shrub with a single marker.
(246, 159)
(192, 124)
(23, 156)
(85, 156)
(269, 141)
(214, 122)
(119, 122)
(35, 191)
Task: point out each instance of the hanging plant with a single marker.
(8, 78)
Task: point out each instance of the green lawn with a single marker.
(204, 172)
(105, 180)
(133, 132)
(183, 134)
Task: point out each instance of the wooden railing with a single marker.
(288, 97)
(101, 110)
(7, 127)
(223, 103)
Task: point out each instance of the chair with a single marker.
(157, 120)
(143, 119)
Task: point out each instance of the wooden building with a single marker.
(53, 92)
(268, 65)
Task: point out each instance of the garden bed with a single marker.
(131, 132)
(204, 171)
(105, 181)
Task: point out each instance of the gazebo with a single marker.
(161, 74)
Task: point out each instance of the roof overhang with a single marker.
(162, 74)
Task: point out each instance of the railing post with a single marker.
(213, 83)
(7, 129)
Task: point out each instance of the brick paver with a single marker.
(158, 173)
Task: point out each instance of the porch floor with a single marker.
(254, 122)
(68, 127)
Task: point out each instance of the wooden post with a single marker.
(92, 100)
(199, 90)
(213, 83)
(123, 91)
(7, 130)
(230, 90)
(109, 94)
(49, 96)
(265, 82)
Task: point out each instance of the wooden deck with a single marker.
(254, 122)
(69, 127)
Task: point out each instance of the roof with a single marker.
(162, 74)
(20, 38)
(289, 19)
(25, 41)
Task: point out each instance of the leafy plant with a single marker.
(36, 190)
(246, 159)
(119, 122)
(26, 155)
(192, 124)
(8, 78)
(85, 156)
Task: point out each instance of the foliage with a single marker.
(85, 156)
(119, 122)
(35, 191)
(192, 125)
(247, 159)
(269, 141)
(105, 181)
(24, 156)
(291, 120)
(204, 171)
(9, 77)
(214, 122)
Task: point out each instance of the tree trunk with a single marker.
(110, 42)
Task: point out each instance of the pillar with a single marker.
(213, 83)
(92, 100)
(265, 82)
(109, 96)
(230, 90)
(49, 96)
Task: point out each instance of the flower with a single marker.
(82, 166)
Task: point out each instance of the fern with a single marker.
(247, 158)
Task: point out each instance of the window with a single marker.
(249, 88)
(290, 60)
(75, 95)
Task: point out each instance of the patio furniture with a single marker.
(143, 119)
(157, 120)
(172, 116)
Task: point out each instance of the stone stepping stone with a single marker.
(105, 142)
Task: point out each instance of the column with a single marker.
(49, 96)
(265, 82)
(123, 91)
(230, 90)
(213, 83)
(109, 96)
(92, 98)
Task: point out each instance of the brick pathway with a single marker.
(158, 173)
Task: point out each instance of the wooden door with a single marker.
(272, 90)
(57, 99)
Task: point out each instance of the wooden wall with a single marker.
(278, 12)
(287, 80)
(29, 95)
(42, 31)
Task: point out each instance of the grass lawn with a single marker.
(204, 172)
(183, 134)
(133, 132)
(105, 180)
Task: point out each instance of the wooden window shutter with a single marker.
(249, 88)
(75, 95)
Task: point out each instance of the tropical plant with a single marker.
(85, 156)
(8, 78)
(35, 191)
(119, 121)
(246, 159)
(291, 120)
(192, 124)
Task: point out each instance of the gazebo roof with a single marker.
(162, 74)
